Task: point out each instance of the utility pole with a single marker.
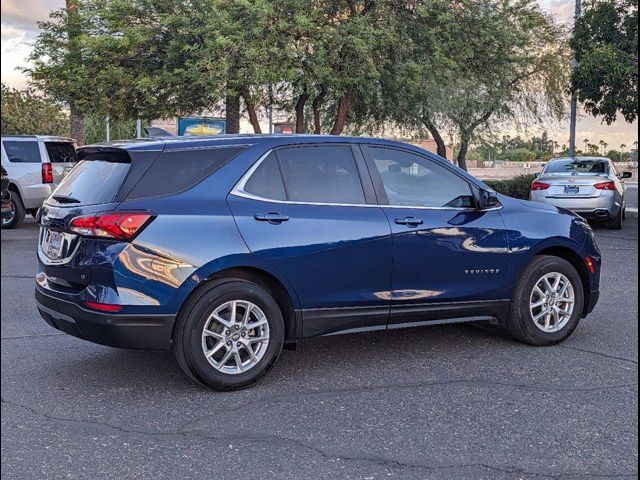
(270, 111)
(107, 128)
(138, 128)
(574, 94)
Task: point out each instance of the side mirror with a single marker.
(488, 199)
(627, 174)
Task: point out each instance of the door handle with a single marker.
(409, 221)
(274, 218)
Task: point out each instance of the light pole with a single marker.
(574, 94)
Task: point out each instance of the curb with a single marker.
(632, 213)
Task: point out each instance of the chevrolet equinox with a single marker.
(227, 249)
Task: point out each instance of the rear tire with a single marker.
(18, 212)
(201, 342)
(527, 295)
(617, 222)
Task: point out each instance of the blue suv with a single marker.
(227, 249)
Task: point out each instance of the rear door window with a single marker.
(322, 174)
(178, 170)
(22, 151)
(61, 152)
(91, 182)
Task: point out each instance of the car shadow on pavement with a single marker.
(339, 358)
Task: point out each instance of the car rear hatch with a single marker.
(98, 183)
(573, 186)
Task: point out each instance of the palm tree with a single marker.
(622, 147)
(586, 144)
(602, 146)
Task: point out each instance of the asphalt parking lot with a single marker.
(437, 402)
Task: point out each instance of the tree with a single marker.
(606, 45)
(501, 62)
(24, 112)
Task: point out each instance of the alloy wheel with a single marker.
(552, 302)
(235, 337)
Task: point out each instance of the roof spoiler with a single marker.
(104, 153)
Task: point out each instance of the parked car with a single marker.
(589, 186)
(225, 249)
(35, 165)
(5, 195)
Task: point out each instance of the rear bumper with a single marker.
(601, 207)
(135, 332)
(593, 300)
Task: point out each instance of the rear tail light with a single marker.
(117, 225)
(539, 185)
(605, 186)
(47, 173)
(591, 266)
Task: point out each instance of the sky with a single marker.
(19, 29)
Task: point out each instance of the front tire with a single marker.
(229, 334)
(547, 302)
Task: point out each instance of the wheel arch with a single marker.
(577, 262)
(270, 283)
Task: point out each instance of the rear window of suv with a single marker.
(22, 151)
(91, 182)
(98, 181)
(61, 152)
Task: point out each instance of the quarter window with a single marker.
(323, 174)
(413, 181)
(22, 152)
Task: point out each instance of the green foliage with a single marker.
(24, 112)
(606, 45)
(95, 129)
(452, 66)
(517, 187)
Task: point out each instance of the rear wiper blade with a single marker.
(65, 199)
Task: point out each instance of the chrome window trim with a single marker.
(238, 191)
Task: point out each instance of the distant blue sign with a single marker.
(202, 126)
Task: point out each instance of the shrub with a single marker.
(517, 187)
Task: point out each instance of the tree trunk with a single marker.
(76, 120)
(433, 130)
(341, 114)
(232, 112)
(317, 101)
(76, 126)
(462, 153)
(251, 109)
(300, 104)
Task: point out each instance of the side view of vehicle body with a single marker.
(35, 165)
(589, 186)
(226, 249)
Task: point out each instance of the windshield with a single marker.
(577, 167)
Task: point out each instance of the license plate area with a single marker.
(55, 248)
(52, 244)
(571, 190)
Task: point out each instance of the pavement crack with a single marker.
(593, 352)
(33, 335)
